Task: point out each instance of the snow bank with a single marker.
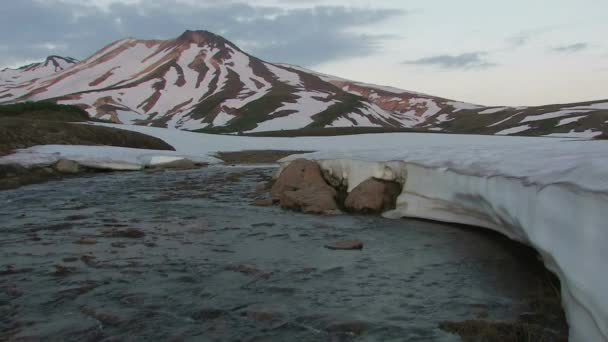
(552, 197)
(98, 157)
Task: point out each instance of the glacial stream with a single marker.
(185, 256)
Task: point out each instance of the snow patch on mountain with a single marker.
(493, 110)
(586, 134)
(307, 105)
(284, 75)
(566, 121)
(514, 130)
(458, 106)
(553, 115)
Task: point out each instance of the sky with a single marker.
(489, 52)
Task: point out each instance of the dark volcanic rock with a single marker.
(373, 196)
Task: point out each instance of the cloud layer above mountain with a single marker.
(304, 36)
(464, 61)
(539, 53)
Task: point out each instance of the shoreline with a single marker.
(13, 176)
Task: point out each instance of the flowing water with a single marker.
(183, 255)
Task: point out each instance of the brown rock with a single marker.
(66, 166)
(301, 186)
(373, 196)
(312, 200)
(345, 245)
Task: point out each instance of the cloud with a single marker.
(465, 61)
(306, 36)
(571, 48)
(524, 37)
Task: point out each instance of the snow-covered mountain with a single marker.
(202, 81)
(52, 65)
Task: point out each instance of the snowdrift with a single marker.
(98, 157)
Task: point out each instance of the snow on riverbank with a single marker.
(100, 157)
(550, 193)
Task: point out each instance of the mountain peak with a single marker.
(55, 60)
(199, 37)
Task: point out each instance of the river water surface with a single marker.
(183, 255)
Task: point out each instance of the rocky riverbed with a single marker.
(185, 255)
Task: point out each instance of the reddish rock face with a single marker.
(373, 196)
(301, 187)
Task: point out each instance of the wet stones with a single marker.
(131, 233)
(301, 187)
(373, 196)
(63, 271)
(180, 164)
(345, 245)
(250, 270)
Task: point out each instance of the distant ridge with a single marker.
(201, 81)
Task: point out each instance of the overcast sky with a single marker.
(518, 52)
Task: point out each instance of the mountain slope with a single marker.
(584, 119)
(200, 81)
(20, 77)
